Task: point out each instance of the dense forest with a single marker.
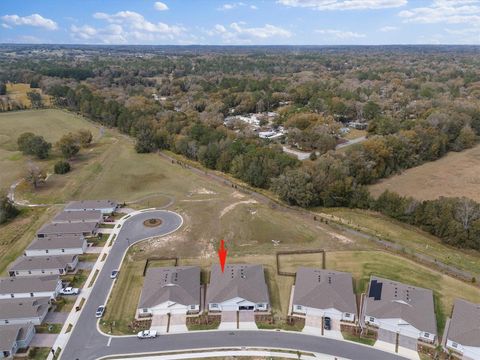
(416, 103)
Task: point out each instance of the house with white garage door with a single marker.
(326, 293)
(29, 287)
(400, 309)
(43, 265)
(241, 287)
(57, 245)
(13, 338)
(170, 290)
(23, 311)
(463, 334)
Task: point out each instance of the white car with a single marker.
(100, 311)
(69, 291)
(147, 334)
(114, 274)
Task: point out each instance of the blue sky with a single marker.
(294, 22)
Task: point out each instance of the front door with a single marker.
(249, 307)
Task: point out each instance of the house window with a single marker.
(192, 307)
(145, 310)
(426, 334)
(43, 271)
(299, 307)
(29, 272)
(372, 319)
(214, 305)
(63, 250)
(347, 315)
(6, 321)
(454, 344)
(31, 294)
(12, 296)
(46, 251)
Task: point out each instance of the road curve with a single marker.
(87, 343)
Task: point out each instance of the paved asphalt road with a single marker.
(86, 343)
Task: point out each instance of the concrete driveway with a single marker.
(178, 323)
(313, 326)
(43, 340)
(246, 320)
(228, 320)
(159, 323)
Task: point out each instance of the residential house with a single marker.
(14, 337)
(57, 245)
(23, 311)
(241, 287)
(30, 286)
(72, 229)
(78, 216)
(107, 207)
(170, 290)
(463, 334)
(324, 293)
(400, 308)
(43, 265)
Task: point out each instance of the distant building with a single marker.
(23, 311)
(241, 287)
(57, 245)
(29, 287)
(105, 206)
(43, 265)
(72, 229)
(94, 216)
(358, 125)
(401, 309)
(463, 334)
(13, 338)
(324, 293)
(170, 290)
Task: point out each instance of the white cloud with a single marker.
(129, 27)
(339, 34)
(445, 11)
(160, 6)
(238, 32)
(388, 28)
(30, 20)
(344, 4)
(235, 5)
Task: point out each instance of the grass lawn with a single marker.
(98, 240)
(78, 279)
(65, 303)
(36, 353)
(88, 257)
(411, 238)
(48, 328)
(456, 174)
(18, 92)
(362, 264)
(361, 340)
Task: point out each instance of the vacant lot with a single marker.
(410, 238)
(457, 174)
(18, 92)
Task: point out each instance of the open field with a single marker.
(18, 92)
(456, 174)
(411, 238)
(52, 125)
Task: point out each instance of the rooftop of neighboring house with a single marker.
(78, 216)
(28, 284)
(57, 242)
(10, 334)
(91, 204)
(244, 281)
(177, 284)
(324, 289)
(41, 262)
(464, 326)
(23, 308)
(67, 228)
(388, 299)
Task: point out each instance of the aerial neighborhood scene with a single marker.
(249, 180)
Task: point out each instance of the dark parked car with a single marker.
(327, 323)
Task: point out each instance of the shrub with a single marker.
(62, 167)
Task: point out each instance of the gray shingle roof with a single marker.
(396, 300)
(464, 327)
(67, 228)
(239, 280)
(78, 216)
(90, 204)
(324, 289)
(10, 334)
(177, 284)
(41, 262)
(27, 284)
(57, 242)
(23, 308)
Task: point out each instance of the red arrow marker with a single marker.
(222, 255)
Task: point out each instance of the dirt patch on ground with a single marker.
(201, 191)
(238, 195)
(232, 206)
(342, 238)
